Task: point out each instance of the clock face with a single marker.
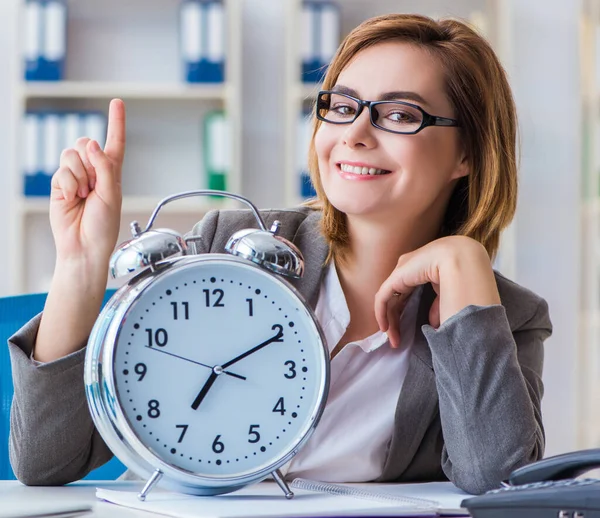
(219, 369)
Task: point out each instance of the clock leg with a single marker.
(156, 476)
(278, 477)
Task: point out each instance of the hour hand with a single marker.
(204, 390)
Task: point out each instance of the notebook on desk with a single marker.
(312, 499)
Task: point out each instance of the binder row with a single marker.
(46, 134)
(304, 134)
(321, 30)
(45, 39)
(202, 40)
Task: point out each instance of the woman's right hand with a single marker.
(85, 200)
(85, 211)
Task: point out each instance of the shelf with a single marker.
(143, 205)
(106, 90)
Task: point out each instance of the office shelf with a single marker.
(131, 51)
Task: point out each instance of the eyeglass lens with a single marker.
(392, 116)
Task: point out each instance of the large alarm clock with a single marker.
(206, 372)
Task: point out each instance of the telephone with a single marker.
(544, 489)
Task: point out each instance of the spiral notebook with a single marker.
(312, 499)
(442, 497)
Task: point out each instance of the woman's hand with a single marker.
(458, 268)
(85, 200)
(85, 211)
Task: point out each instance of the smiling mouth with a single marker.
(360, 171)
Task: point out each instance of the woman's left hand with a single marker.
(458, 268)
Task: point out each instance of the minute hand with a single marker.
(277, 338)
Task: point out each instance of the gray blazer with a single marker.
(469, 409)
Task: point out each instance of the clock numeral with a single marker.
(160, 337)
(153, 411)
(250, 308)
(254, 433)
(217, 445)
(140, 369)
(186, 310)
(279, 407)
(292, 373)
(184, 429)
(216, 293)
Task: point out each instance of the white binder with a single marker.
(45, 45)
(94, 127)
(32, 156)
(72, 129)
(303, 136)
(33, 30)
(54, 48)
(51, 143)
(203, 40)
(321, 28)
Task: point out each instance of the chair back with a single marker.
(14, 313)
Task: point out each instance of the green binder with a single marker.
(217, 150)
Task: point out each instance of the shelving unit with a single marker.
(128, 50)
(589, 324)
(491, 17)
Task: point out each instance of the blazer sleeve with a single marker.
(489, 382)
(53, 439)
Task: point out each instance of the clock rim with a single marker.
(108, 414)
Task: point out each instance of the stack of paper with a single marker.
(267, 500)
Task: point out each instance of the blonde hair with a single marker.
(483, 203)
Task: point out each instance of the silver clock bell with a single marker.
(262, 246)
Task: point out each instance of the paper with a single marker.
(267, 500)
(42, 509)
(445, 497)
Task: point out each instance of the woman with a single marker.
(436, 359)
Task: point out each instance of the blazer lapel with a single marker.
(312, 244)
(418, 401)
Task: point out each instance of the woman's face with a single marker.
(421, 169)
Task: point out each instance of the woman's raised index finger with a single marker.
(115, 135)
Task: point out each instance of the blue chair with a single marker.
(14, 313)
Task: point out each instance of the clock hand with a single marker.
(201, 395)
(218, 369)
(194, 361)
(277, 338)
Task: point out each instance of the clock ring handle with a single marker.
(204, 192)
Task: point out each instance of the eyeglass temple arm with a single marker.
(443, 121)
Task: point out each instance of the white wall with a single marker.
(546, 82)
(7, 43)
(545, 78)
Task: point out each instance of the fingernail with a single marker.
(92, 184)
(94, 147)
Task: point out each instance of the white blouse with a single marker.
(351, 441)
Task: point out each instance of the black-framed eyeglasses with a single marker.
(393, 116)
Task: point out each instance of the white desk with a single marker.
(13, 495)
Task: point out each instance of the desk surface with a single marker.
(14, 496)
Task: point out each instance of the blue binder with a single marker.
(45, 39)
(203, 40)
(320, 38)
(46, 134)
(303, 136)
